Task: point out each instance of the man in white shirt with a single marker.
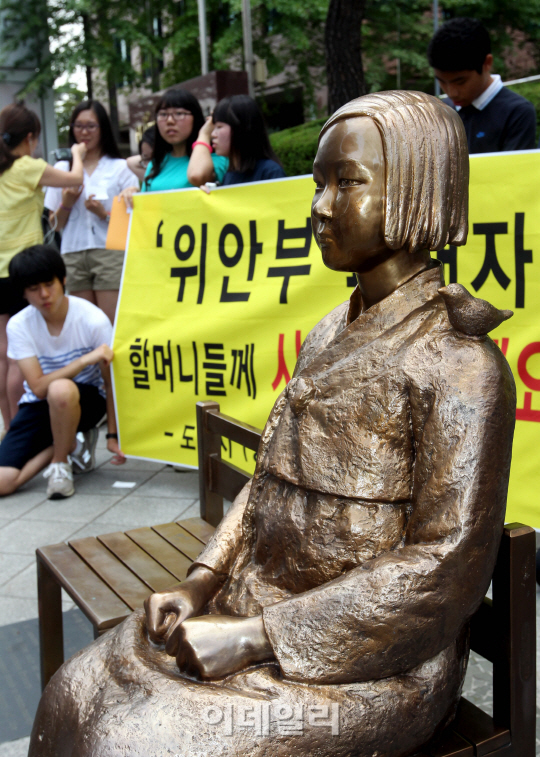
(495, 118)
(62, 346)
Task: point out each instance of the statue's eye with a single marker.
(349, 182)
(318, 184)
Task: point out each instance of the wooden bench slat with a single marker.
(138, 561)
(198, 528)
(97, 601)
(476, 727)
(450, 744)
(115, 574)
(180, 539)
(226, 478)
(161, 551)
(241, 433)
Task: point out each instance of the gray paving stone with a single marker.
(11, 565)
(15, 505)
(169, 483)
(26, 536)
(3, 522)
(133, 464)
(101, 480)
(192, 511)
(23, 585)
(136, 511)
(16, 610)
(80, 508)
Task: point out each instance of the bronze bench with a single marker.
(109, 576)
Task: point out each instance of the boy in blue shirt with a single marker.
(495, 118)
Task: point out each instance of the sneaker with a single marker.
(60, 481)
(84, 458)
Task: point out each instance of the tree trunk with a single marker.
(343, 43)
(86, 32)
(113, 104)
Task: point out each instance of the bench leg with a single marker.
(51, 634)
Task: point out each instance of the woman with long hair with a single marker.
(83, 212)
(182, 156)
(239, 133)
(22, 179)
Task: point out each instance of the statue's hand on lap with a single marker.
(167, 610)
(216, 646)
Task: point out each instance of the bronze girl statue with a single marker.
(336, 592)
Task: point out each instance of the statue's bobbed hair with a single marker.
(427, 167)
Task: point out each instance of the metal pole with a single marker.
(248, 44)
(202, 36)
(435, 27)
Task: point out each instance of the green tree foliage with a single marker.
(288, 34)
(57, 36)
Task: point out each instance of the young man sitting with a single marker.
(62, 347)
(495, 118)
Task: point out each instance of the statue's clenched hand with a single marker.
(215, 646)
(167, 610)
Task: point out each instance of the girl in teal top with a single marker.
(182, 155)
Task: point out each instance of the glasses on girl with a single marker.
(176, 115)
(85, 127)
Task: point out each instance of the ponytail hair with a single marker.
(16, 122)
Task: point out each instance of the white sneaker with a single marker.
(84, 460)
(60, 481)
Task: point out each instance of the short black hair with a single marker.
(107, 142)
(461, 44)
(36, 265)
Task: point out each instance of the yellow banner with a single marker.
(220, 290)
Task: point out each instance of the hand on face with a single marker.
(86, 131)
(80, 149)
(221, 138)
(205, 134)
(348, 207)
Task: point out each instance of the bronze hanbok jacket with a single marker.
(391, 449)
(366, 539)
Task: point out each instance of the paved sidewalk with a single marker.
(104, 503)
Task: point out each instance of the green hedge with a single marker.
(296, 147)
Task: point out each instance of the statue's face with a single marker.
(347, 212)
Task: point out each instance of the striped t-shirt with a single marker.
(85, 328)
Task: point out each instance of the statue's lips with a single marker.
(325, 238)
